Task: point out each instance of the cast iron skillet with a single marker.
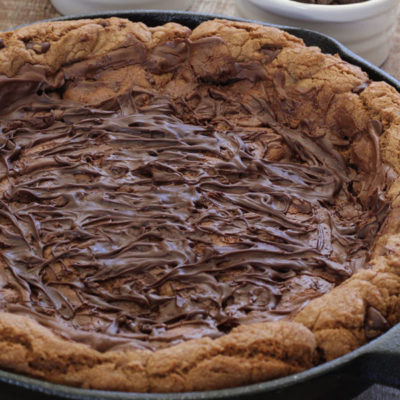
(345, 377)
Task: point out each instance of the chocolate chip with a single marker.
(269, 53)
(45, 47)
(2, 45)
(375, 323)
(38, 48)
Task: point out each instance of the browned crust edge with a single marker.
(327, 327)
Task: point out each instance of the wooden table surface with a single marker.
(17, 12)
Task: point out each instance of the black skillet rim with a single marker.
(385, 344)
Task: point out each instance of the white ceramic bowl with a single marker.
(87, 6)
(366, 27)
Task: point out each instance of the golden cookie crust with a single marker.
(318, 86)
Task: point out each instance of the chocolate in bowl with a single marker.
(330, 2)
(366, 27)
(90, 163)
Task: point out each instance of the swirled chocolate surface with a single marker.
(129, 226)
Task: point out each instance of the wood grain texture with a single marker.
(18, 12)
(224, 7)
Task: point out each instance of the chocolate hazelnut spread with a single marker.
(329, 2)
(141, 222)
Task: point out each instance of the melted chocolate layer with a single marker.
(132, 227)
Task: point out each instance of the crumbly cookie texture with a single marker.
(300, 83)
(62, 43)
(249, 354)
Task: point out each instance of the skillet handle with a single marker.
(381, 364)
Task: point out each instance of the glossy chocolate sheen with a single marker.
(129, 225)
